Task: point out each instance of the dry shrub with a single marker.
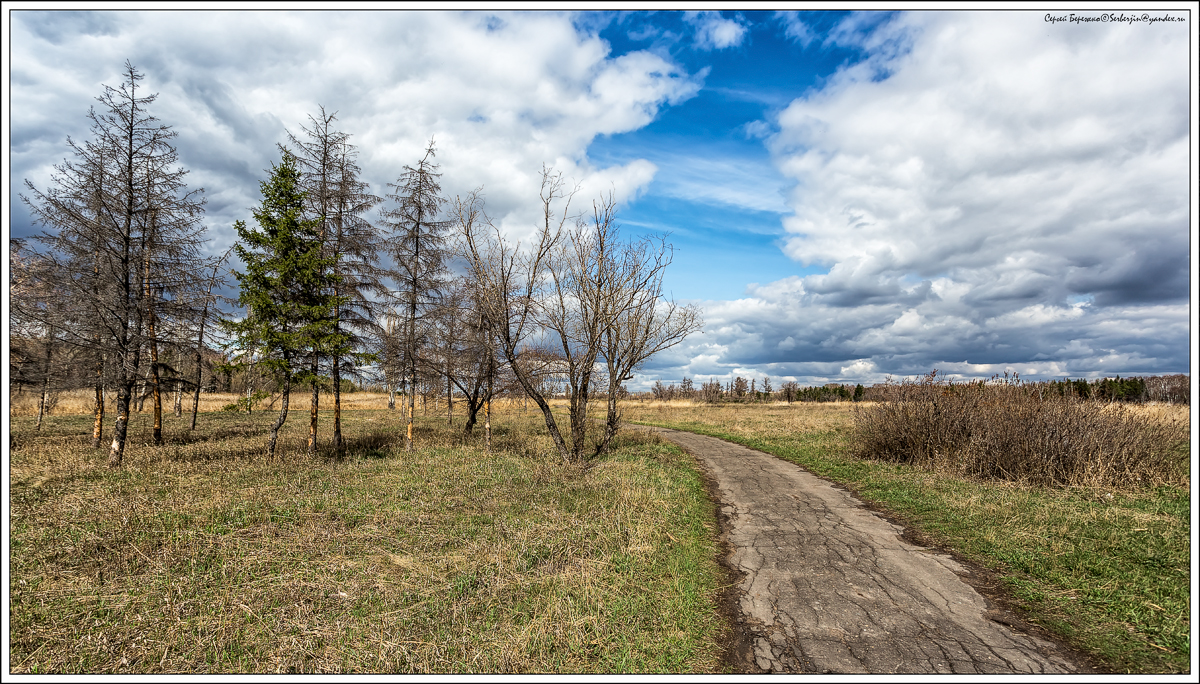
(1009, 430)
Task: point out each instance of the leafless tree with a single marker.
(122, 213)
(338, 199)
(419, 254)
(509, 282)
(638, 322)
(580, 289)
(207, 312)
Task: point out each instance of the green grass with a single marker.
(201, 557)
(1107, 570)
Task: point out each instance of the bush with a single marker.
(1008, 430)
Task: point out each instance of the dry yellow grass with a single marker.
(82, 402)
(748, 420)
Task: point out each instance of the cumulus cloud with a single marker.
(989, 192)
(715, 32)
(500, 93)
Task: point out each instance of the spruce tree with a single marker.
(286, 287)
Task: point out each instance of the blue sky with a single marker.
(850, 195)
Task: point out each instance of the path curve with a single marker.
(829, 586)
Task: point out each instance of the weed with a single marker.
(1018, 432)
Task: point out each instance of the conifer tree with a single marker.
(125, 241)
(419, 252)
(286, 287)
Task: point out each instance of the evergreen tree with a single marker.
(286, 288)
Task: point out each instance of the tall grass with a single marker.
(82, 402)
(1008, 430)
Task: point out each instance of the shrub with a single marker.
(1008, 430)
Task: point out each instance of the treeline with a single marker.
(337, 284)
(741, 390)
(1170, 389)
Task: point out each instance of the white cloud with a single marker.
(795, 28)
(714, 32)
(985, 189)
(501, 94)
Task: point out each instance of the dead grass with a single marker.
(200, 557)
(82, 402)
(1018, 432)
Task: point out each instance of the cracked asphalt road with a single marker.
(829, 586)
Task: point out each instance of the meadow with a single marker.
(200, 556)
(1108, 569)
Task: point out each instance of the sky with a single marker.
(849, 195)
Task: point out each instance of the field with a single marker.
(1108, 570)
(201, 557)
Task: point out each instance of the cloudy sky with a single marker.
(850, 195)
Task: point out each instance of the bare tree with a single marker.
(205, 309)
(419, 252)
(637, 322)
(338, 200)
(126, 233)
(509, 282)
(468, 359)
(581, 289)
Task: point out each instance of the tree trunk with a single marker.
(449, 394)
(199, 378)
(287, 390)
(98, 426)
(337, 384)
(154, 377)
(45, 385)
(178, 398)
(487, 406)
(412, 407)
(117, 451)
(312, 411)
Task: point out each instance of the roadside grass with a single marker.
(202, 557)
(1108, 570)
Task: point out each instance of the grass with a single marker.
(201, 557)
(1106, 569)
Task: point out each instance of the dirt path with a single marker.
(829, 586)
